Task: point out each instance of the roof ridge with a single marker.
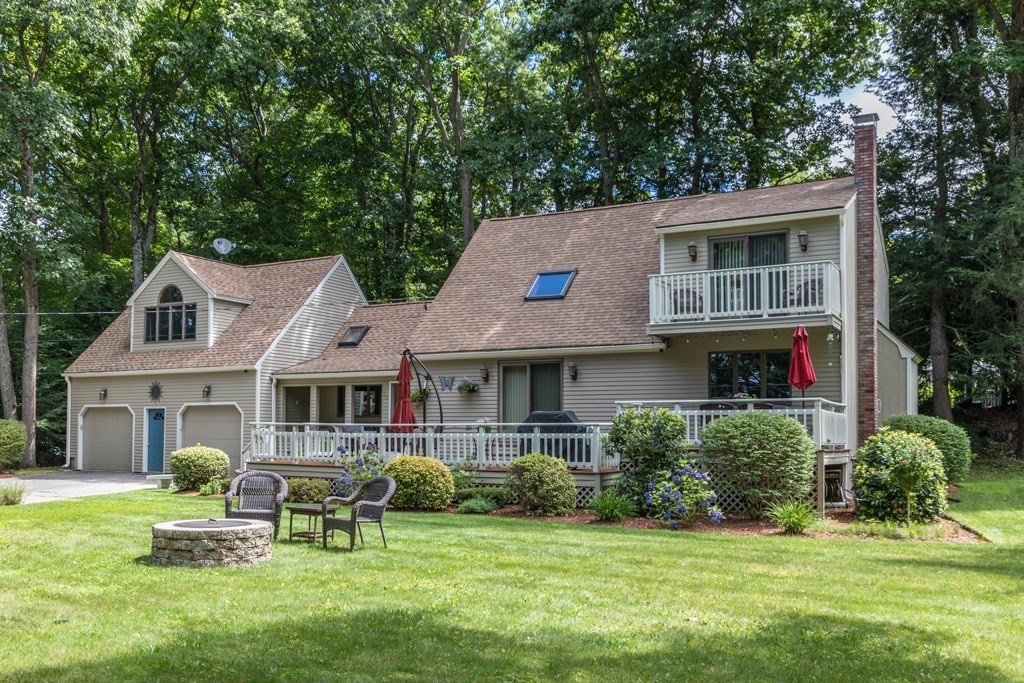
(294, 260)
(666, 200)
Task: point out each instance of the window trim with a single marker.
(163, 292)
(571, 272)
(735, 375)
(746, 246)
(354, 342)
(151, 335)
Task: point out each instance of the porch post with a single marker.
(595, 453)
(820, 475)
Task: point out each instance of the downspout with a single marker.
(67, 428)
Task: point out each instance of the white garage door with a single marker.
(107, 440)
(216, 427)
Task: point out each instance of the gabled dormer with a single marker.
(186, 303)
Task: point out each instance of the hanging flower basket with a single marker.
(420, 395)
(467, 386)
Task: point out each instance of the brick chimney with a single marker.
(865, 179)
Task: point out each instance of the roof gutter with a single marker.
(159, 371)
(752, 220)
(540, 352)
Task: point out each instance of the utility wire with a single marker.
(22, 314)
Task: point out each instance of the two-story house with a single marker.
(687, 303)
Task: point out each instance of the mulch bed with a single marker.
(735, 525)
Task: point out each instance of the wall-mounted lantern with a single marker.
(692, 249)
(574, 372)
(103, 393)
(207, 390)
(802, 238)
(485, 374)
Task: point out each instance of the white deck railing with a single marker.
(482, 445)
(824, 420)
(792, 289)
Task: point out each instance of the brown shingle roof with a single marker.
(223, 279)
(481, 306)
(391, 327)
(277, 291)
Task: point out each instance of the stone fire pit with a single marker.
(211, 542)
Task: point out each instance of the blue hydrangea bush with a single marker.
(681, 496)
(358, 468)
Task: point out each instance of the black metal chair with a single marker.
(260, 496)
(368, 503)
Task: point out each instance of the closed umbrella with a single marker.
(404, 414)
(801, 370)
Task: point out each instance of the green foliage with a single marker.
(652, 440)
(12, 442)
(308, 489)
(215, 487)
(898, 476)
(952, 441)
(463, 477)
(356, 469)
(477, 506)
(612, 506)
(681, 495)
(11, 494)
(792, 516)
(195, 466)
(766, 458)
(499, 495)
(542, 485)
(421, 483)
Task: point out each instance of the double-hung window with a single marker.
(172, 319)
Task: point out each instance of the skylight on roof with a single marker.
(353, 335)
(552, 284)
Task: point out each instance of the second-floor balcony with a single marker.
(735, 294)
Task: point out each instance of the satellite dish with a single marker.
(222, 246)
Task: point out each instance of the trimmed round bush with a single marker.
(12, 443)
(308, 489)
(195, 466)
(652, 440)
(898, 477)
(952, 441)
(542, 485)
(764, 457)
(420, 483)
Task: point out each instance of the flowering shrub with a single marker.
(898, 477)
(652, 440)
(681, 496)
(355, 469)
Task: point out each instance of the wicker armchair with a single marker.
(260, 496)
(368, 505)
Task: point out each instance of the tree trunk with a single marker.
(938, 319)
(31, 286)
(8, 398)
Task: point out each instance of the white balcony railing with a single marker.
(825, 421)
(793, 289)
(480, 445)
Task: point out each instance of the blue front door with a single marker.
(155, 445)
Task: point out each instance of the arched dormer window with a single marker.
(170, 295)
(172, 320)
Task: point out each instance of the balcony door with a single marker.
(740, 293)
(528, 387)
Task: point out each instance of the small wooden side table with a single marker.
(312, 513)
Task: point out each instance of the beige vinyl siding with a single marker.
(224, 313)
(177, 389)
(892, 378)
(170, 274)
(681, 372)
(313, 329)
(881, 280)
(822, 243)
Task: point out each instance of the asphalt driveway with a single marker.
(42, 487)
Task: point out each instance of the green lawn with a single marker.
(481, 598)
(992, 503)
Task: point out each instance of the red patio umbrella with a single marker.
(404, 414)
(801, 370)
